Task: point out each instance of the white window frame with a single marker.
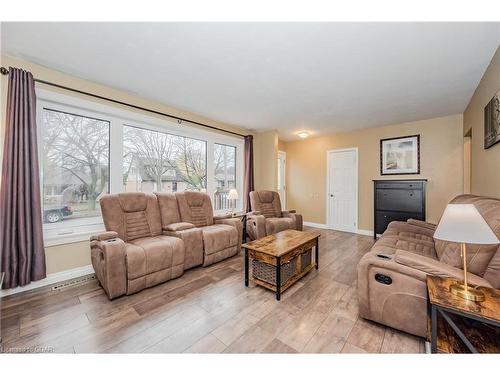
(118, 117)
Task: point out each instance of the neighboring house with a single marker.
(139, 180)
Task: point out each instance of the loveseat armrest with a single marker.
(234, 222)
(256, 225)
(176, 227)
(422, 224)
(436, 268)
(295, 216)
(103, 236)
(108, 255)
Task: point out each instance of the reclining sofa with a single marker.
(152, 238)
(266, 216)
(392, 276)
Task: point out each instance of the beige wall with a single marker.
(441, 161)
(68, 256)
(467, 164)
(265, 154)
(485, 171)
(281, 145)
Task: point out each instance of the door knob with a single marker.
(331, 195)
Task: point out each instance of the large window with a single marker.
(89, 149)
(75, 169)
(155, 161)
(224, 175)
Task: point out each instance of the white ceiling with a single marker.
(323, 77)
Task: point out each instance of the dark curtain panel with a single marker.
(21, 241)
(248, 183)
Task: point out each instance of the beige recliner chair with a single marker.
(207, 239)
(392, 276)
(134, 254)
(266, 216)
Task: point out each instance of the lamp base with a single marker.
(469, 294)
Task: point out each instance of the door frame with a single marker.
(282, 155)
(328, 152)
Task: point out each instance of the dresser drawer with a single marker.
(400, 185)
(399, 200)
(383, 218)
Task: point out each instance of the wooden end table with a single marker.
(243, 217)
(280, 249)
(460, 326)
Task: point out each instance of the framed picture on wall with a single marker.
(400, 155)
(492, 121)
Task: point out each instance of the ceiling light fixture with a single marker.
(303, 134)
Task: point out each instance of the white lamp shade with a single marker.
(463, 223)
(233, 194)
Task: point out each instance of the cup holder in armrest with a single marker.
(383, 279)
(383, 256)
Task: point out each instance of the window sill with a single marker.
(63, 239)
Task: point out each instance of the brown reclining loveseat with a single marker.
(152, 238)
(392, 276)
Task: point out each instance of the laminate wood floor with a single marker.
(208, 310)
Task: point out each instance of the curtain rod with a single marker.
(5, 71)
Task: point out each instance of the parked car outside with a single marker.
(55, 214)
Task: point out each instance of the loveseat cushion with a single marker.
(416, 236)
(415, 246)
(195, 208)
(219, 237)
(436, 268)
(169, 208)
(267, 202)
(131, 215)
(151, 254)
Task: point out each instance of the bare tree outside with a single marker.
(225, 166)
(75, 157)
(192, 162)
(149, 156)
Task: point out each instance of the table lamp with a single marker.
(463, 223)
(233, 195)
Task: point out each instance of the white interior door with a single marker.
(343, 190)
(281, 181)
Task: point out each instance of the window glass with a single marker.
(224, 176)
(75, 169)
(156, 161)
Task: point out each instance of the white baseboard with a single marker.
(51, 278)
(315, 225)
(365, 232)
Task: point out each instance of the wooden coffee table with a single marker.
(284, 250)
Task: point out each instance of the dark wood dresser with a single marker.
(397, 200)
